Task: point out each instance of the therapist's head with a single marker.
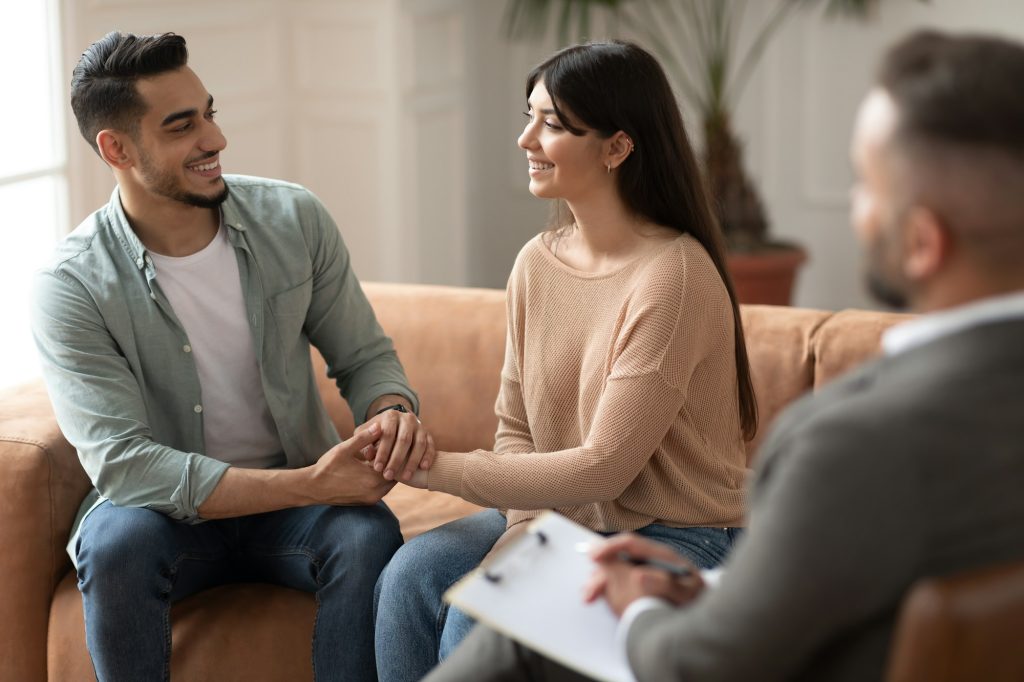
(938, 151)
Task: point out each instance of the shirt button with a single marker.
(152, 296)
(197, 409)
(139, 262)
(187, 348)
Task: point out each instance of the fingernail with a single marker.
(424, 465)
(389, 474)
(378, 467)
(407, 475)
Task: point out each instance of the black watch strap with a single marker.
(397, 406)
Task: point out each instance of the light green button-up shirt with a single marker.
(125, 389)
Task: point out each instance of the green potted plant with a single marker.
(700, 44)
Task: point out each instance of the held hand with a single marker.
(404, 447)
(623, 582)
(418, 479)
(341, 476)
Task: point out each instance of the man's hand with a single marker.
(404, 444)
(622, 582)
(342, 477)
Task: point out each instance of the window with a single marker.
(33, 171)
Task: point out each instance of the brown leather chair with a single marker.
(967, 626)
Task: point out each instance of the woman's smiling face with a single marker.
(562, 165)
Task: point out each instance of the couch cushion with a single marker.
(849, 338)
(235, 632)
(779, 346)
(455, 368)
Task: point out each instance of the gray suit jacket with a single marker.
(911, 467)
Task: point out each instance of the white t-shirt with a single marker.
(205, 292)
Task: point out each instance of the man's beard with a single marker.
(885, 292)
(166, 185)
(881, 273)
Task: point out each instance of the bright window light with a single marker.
(33, 184)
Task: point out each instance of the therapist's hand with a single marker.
(621, 583)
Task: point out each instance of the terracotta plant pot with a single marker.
(766, 275)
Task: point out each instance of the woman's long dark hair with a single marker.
(613, 86)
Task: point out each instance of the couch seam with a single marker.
(27, 441)
(812, 345)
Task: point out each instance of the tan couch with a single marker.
(451, 343)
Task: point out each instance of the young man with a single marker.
(174, 326)
(912, 466)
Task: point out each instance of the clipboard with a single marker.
(532, 591)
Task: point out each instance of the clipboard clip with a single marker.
(494, 577)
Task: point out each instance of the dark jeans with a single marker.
(134, 563)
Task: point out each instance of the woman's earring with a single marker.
(608, 167)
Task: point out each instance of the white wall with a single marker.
(795, 118)
(362, 102)
(403, 114)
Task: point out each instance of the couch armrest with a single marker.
(964, 626)
(41, 487)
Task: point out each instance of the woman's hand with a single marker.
(418, 479)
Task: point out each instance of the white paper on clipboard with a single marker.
(532, 591)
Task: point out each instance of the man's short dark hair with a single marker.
(958, 90)
(103, 93)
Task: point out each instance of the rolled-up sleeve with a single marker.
(101, 411)
(360, 357)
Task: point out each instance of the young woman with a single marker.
(625, 395)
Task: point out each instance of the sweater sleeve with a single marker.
(655, 351)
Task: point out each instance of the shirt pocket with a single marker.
(289, 308)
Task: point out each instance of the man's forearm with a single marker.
(242, 492)
(340, 477)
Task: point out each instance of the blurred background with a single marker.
(402, 116)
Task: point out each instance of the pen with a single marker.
(675, 570)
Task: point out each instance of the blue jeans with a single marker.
(415, 629)
(134, 563)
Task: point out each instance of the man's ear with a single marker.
(928, 245)
(618, 147)
(114, 149)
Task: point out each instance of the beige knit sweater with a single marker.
(618, 400)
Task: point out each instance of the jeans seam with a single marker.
(443, 610)
(172, 571)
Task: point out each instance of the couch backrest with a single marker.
(451, 341)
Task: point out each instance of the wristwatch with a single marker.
(397, 406)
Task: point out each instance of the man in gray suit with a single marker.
(912, 466)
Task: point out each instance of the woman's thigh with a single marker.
(430, 563)
(705, 547)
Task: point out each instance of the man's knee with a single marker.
(371, 533)
(118, 546)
